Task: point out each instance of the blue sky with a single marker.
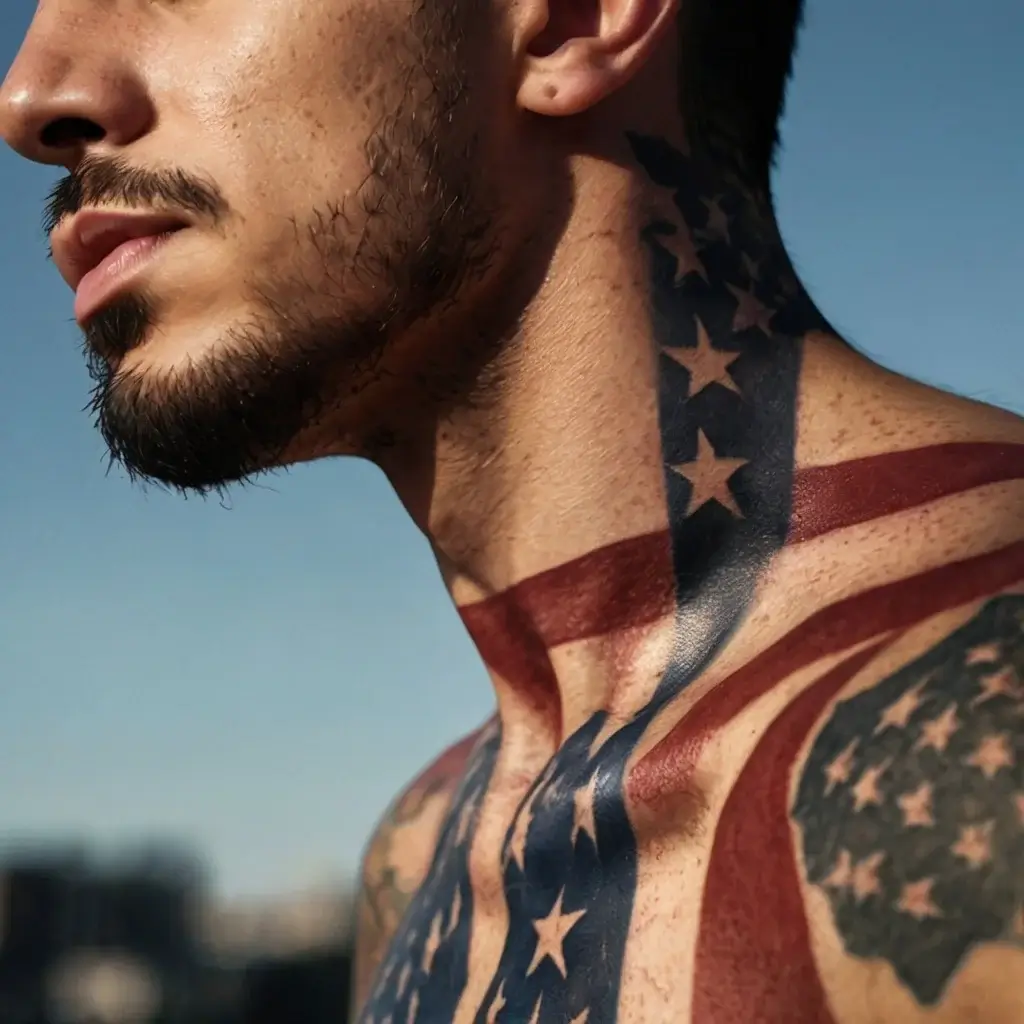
(259, 679)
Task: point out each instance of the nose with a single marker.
(72, 87)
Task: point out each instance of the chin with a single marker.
(198, 409)
(168, 352)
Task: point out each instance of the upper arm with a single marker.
(911, 817)
(397, 859)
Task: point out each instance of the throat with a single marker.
(644, 477)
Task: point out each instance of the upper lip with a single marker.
(82, 242)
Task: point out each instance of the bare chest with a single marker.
(551, 905)
(812, 862)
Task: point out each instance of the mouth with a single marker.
(98, 251)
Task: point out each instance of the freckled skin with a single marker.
(751, 606)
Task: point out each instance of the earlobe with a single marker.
(575, 58)
(566, 82)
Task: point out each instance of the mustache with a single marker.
(112, 180)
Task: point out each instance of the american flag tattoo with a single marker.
(728, 319)
(920, 863)
(726, 418)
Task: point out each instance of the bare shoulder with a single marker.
(910, 814)
(398, 855)
(909, 805)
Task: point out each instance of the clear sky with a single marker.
(260, 679)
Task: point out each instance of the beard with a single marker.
(418, 232)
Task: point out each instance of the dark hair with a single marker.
(735, 60)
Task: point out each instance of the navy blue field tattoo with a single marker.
(912, 805)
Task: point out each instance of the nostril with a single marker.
(70, 131)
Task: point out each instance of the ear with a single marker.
(574, 53)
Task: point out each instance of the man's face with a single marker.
(329, 162)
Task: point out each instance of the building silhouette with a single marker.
(137, 940)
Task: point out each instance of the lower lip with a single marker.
(107, 278)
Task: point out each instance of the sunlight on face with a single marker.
(324, 166)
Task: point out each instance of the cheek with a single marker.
(263, 95)
(286, 148)
(291, 179)
(278, 108)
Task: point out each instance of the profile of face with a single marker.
(320, 184)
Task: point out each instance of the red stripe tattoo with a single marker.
(754, 963)
(827, 498)
(891, 607)
(511, 647)
(625, 584)
(630, 583)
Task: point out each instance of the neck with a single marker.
(628, 478)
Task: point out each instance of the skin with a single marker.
(752, 606)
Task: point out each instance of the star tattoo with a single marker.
(705, 364)
(709, 476)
